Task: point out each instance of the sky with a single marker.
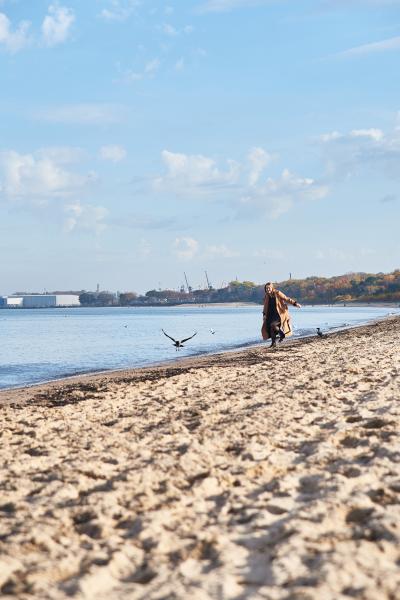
(142, 139)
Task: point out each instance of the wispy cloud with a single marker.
(218, 6)
(13, 41)
(348, 154)
(56, 26)
(148, 71)
(259, 160)
(220, 251)
(387, 45)
(119, 10)
(140, 221)
(113, 153)
(83, 114)
(86, 217)
(62, 155)
(180, 65)
(169, 30)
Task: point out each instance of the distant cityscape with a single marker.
(351, 287)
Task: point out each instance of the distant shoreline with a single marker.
(238, 304)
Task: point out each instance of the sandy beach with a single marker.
(270, 474)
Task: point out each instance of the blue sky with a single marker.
(142, 139)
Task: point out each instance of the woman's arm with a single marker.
(288, 300)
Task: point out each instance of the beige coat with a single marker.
(282, 302)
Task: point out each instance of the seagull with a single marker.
(212, 331)
(178, 344)
(319, 333)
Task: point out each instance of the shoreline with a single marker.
(141, 371)
(260, 473)
(238, 304)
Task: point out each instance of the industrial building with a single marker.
(11, 302)
(39, 301)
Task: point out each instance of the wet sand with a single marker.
(253, 474)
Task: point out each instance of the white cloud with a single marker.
(37, 177)
(218, 6)
(172, 31)
(195, 172)
(113, 153)
(373, 134)
(13, 41)
(83, 114)
(40, 184)
(348, 154)
(129, 76)
(259, 159)
(85, 216)
(119, 10)
(373, 48)
(57, 24)
(185, 248)
(239, 185)
(328, 137)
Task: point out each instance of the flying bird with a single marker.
(319, 333)
(212, 331)
(178, 343)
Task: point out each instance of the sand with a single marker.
(257, 474)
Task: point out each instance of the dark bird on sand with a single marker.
(178, 343)
(319, 333)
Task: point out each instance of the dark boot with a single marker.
(281, 335)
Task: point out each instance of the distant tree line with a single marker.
(361, 287)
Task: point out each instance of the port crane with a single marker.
(210, 287)
(189, 288)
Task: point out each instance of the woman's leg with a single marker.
(274, 328)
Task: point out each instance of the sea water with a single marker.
(38, 345)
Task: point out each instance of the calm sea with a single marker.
(45, 344)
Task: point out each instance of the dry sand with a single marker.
(258, 474)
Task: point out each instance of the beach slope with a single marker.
(255, 474)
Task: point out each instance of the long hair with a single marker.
(267, 284)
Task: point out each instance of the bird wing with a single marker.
(189, 338)
(168, 336)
